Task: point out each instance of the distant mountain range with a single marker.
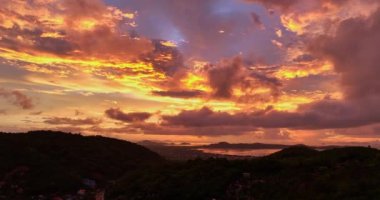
(226, 145)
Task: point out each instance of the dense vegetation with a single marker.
(294, 173)
(45, 164)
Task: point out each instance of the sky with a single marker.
(199, 71)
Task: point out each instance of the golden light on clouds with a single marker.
(304, 70)
(196, 82)
(292, 24)
(52, 35)
(87, 24)
(90, 63)
(169, 43)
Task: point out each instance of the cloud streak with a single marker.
(71, 121)
(17, 98)
(327, 114)
(117, 114)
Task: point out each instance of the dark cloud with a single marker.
(288, 5)
(283, 4)
(17, 98)
(354, 52)
(230, 74)
(72, 122)
(225, 77)
(326, 114)
(54, 45)
(164, 59)
(117, 114)
(273, 83)
(257, 20)
(206, 117)
(185, 94)
(304, 58)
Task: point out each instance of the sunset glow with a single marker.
(197, 71)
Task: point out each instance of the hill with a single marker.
(45, 162)
(54, 165)
(297, 172)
